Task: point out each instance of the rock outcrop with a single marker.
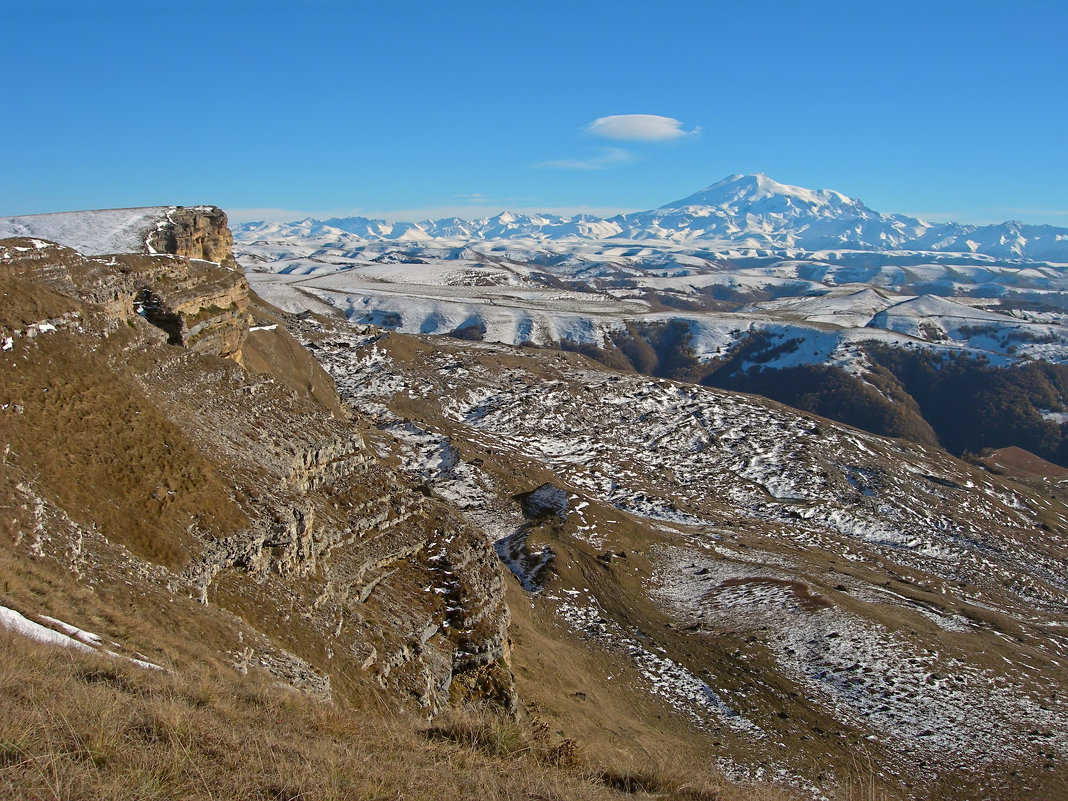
(336, 565)
(187, 284)
(197, 232)
(200, 304)
(544, 501)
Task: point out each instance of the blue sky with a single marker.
(415, 108)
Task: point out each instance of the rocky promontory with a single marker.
(140, 458)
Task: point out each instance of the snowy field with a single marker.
(516, 291)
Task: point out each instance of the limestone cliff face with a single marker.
(187, 283)
(234, 487)
(201, 305)
(197, 232)
(384, 580)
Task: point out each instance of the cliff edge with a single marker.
(145, 453)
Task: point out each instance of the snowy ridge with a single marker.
(93, 233)
(746, 212)
(511, 303)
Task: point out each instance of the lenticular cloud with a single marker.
(638, 127)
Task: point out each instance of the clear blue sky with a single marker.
(412, 107)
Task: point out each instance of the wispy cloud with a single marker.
(624, 127)
(1039, 212)
(607, 157)
(271, 214)
(639, 128)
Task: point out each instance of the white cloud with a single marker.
(638, 128)
(608, 157)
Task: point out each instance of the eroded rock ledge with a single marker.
(198, 232)
(262, 502)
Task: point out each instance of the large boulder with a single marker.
(544, 501)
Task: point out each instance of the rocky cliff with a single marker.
(178, 474)
(198, 232)
(177, 269)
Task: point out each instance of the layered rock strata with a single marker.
(198, 232)
(256, 500)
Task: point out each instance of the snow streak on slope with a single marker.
(56, 632)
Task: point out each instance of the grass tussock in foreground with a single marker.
(78, 726)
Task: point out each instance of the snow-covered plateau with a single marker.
(746, 254)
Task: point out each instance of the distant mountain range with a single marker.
(742, 212)
(806, 296)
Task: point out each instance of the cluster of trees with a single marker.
(973, 405)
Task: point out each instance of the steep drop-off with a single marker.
(133, 436)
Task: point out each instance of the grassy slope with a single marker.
(84, 727)
(106, 453)
(87, 451)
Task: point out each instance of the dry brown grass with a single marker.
(76, 726)
(533, 741)
(108, 454)
(25, 302)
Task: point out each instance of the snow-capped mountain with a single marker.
(807, 296)
(740, 255)
(740, 212)
(754, 210)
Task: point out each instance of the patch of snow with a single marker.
(69, 636)
(92, 233)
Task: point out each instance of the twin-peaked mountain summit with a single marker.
(807, 296)
(748, 212)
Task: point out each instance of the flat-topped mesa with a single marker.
(196, 232)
